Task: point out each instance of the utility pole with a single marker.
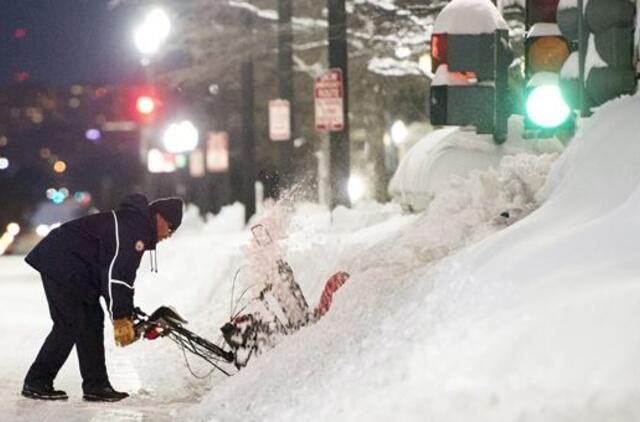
(339, 166)
(285, 89)
(249, 150)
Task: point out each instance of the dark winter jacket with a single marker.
(99, 254)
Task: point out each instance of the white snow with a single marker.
(571, 67)
(542, 29)
(444, 77)
(428, 168)
(469, 17)
(453, 314)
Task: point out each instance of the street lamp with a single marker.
(152, 32)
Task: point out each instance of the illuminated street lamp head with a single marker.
(153, 31)
(181, 137)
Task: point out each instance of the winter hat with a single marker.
(170, 209)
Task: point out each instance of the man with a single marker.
(93, 256)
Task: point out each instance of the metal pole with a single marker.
(249, 150)
(501, 68)
(339, 167)
(285, 87)
(582, 54)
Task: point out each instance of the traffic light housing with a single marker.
(610, 49)
(546, 52)
(470, 67)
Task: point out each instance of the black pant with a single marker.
(75, 322)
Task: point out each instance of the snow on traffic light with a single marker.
(610, 68)
(546, 52)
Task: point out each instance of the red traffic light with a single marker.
(439, 50)
(145, 104)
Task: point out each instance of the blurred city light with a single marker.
(82, 198)
(5, 241)
(153, 31)
(59, 166)
(13, 229)
(20, 33)
(42, 230)
(51, 192)
(181, 161)
(398, 132)
(180, 137)
(160, 162)
(356, 188)
(93, 135)
(58, 198)
(4, 163)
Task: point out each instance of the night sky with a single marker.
(67, 42)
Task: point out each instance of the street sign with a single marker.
(218, 152)
(329, 101)
(279, 120)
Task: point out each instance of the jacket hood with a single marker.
(139, 203)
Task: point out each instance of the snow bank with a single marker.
(536, 322)
(540, 318)
(429, 166)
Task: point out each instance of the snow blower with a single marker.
(166, 322)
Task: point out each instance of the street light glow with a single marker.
(398, 132)
(180, 137)
(356, 188)
(13, 229)
(153, 31)
(59, 166)
(4, 163)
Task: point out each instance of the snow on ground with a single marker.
(455, 314)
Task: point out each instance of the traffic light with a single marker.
(145, 104)
(610, 49)
(546, 51)
(470, 64)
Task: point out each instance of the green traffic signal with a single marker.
(545, 106)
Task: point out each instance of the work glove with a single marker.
(123, 332)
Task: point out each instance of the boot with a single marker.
(43, 392)
(106, 393)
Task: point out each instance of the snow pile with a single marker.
(427, 168)
(534, 323)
